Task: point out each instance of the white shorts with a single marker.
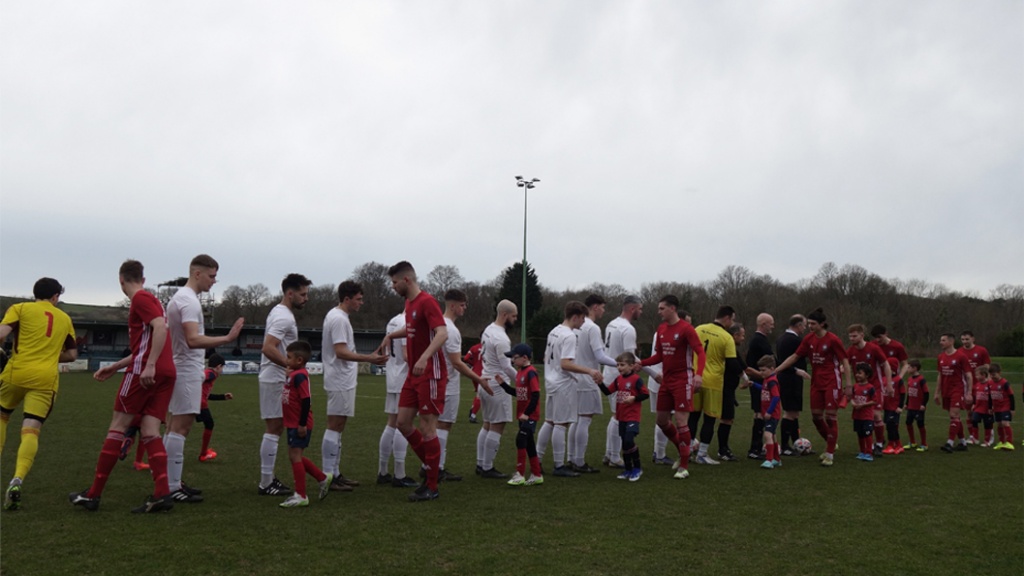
(560, 406)
(188, 394)
(589, 401)
(391, 402)
(341, 402)
(451, 408)
(270, 399)
(495, 409)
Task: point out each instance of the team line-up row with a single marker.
(693, 374)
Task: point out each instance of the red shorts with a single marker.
(423, 393)
(133, 398)
(954, 401)
(825, 398)
(676, 396)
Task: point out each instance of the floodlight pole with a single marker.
(526, 185)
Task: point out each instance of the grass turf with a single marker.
(930, 513)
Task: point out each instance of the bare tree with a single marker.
(442, 279)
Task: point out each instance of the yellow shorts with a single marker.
(709, 401)
(38, 401)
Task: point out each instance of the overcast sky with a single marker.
(671, 138)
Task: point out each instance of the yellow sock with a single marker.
(27, 451)
(4, 418)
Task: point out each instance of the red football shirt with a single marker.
(917, 387)
(623, 387)
(976, 356)
(826, 354)
(422, 317)
(677, 343)
(864, 393)
(892, 403)
(871, 355)
(952, 373)
(475, 359)
(894, 350)
(295, 390)
(769, 390)
(527, 383)
(1000, 393)
(143, 309)
(981, 396)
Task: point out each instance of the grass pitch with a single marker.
(918, 513)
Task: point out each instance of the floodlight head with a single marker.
(536, 179)
(519, 177)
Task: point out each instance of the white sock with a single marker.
(558, 446)
(387, 439)
(660, 442)
(582, 439)
(543, 437)
(493, 443)
(703, 450)
(330, 451)
(613, 442)
(570, 445)
(442, 437)
(481, 446)
(174, 444)
(400, 448)
(268, 455)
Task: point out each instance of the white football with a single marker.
(802, 446)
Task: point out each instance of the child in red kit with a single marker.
(215, 366)
(527, 393)
(298, 419)
(863, 404)
(630, 392)
(892, 405)
(1003, 406)
(917, 401)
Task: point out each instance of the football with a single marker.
(802, 446)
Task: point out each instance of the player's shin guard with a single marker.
(491, 449)
(268, 456)
(582, 434)
(432, 451)
(384, 449)
(299, 476)
(481, 446)
(558, 446)
(879, 427)
(613, 443)
(330, 450)
(442, 437)
(157, 454)
(27, 451)
(108, 457)
(660, 442)
(400, 448)
(821, 426)
(683, 438)
(723, 438)
(415, 440)
(543, 437)
(832, 426)
(570, 442)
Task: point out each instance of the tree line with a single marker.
(915, 311)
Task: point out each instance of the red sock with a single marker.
(959, 429)
(924, 436)
(833, 435)
(974, 430)
(432, 451)
(671, 434)
(952, 429)
(312, 470)
(416, 443)
(207, 432)
(683, 436)
(476, 404)
(879, 431)
(108, 457)
(535, 465)
(821, 427)
(521, 461)
(299, 473)
(1009, 434)
(157, 464)
(910, 432)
